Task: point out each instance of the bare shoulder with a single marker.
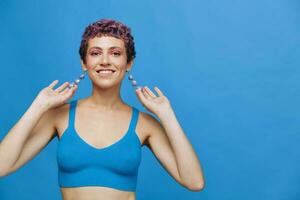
(60, 114)
(59, 110)
(147, 125)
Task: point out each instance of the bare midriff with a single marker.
(95, 193)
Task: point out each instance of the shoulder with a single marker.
(62, 109)
(148, 120)
(60, 113)
(148, 124)
(54, 113)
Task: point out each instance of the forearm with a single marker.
(187, 161)
(12, 144)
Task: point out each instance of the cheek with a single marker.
(120, 64)
(89, 66)
(91, 63)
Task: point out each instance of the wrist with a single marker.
(39, 106)
(166, 115)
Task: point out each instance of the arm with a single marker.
(13, 143)
(33, 131)
(169, 143)
(188, 164)
(171, 147)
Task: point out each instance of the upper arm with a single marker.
(160, 146)
(42, 133)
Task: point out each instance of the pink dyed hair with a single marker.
(108, 27)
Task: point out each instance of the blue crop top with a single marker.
(115, 166)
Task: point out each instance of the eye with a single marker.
(116, 53)
(94, 53)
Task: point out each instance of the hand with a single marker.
(156, 104)
(50, 98)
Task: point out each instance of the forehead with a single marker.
(105, 42)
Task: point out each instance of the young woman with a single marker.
(100, 137)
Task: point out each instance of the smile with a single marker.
(105, 72)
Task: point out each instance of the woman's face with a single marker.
(106, 61)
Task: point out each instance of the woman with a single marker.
(100, 137)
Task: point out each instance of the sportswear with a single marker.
(115, 166)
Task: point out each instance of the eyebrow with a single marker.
(113, 47)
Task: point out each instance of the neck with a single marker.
(106, 98)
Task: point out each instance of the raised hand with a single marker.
(50, 97)
(157, 104)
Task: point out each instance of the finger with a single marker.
(146, 94)
(141, 96)
(150, 92)
(69, 91)
(159, 92)
(62, 87)
(53, 84)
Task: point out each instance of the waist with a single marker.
(95, 193)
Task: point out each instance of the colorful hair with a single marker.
(108, 27)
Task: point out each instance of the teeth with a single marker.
(105, 71)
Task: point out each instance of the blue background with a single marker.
(230, 69)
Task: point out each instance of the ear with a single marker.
(129, 65)
(83, 66)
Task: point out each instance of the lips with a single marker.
(105, 71)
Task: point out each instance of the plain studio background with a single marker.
(230, 69)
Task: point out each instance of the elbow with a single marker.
(3, 173)
(196, 187)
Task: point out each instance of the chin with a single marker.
(106, 84)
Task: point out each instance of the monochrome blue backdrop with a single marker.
(230, 69)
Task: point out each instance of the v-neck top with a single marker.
(81, 164)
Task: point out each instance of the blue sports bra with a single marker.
(115, 166)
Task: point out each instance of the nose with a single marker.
(105, 59)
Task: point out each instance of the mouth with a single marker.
(105, 72)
